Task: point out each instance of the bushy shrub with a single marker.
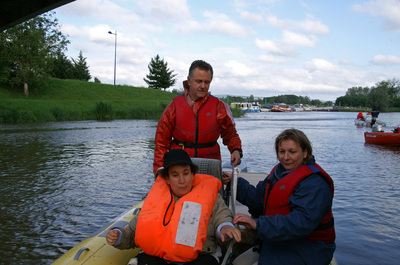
(104, 112)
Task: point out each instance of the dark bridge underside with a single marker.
(13, 12)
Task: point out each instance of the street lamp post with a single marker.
(115, 55)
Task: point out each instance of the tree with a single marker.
(357, 91)
(316, 102)
(352, 101)
(81, 70)
(384, 94)
(379, 99)
(25, 49)
(391, 87)
(160, 76)
(60, 67)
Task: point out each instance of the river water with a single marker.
(62, 182)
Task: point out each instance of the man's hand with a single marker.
(235, 158)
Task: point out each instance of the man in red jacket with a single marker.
(195, 120)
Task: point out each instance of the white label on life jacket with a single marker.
(188, 224)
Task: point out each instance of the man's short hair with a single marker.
(202, 65)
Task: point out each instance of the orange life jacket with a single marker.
(276, 200)
(157, 226)
(197, 133)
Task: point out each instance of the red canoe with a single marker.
(384, 138)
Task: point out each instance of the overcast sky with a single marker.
(262, 48)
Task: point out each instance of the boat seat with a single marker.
(210, 167)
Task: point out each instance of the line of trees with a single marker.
(383, 96)
(293, 99)
(288, 99)
(33, 51)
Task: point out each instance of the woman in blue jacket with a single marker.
(292, 208)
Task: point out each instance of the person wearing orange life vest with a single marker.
(162, 229)
(360, 116)
(195, 120)
(292, 208)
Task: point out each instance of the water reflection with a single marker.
(62, 181)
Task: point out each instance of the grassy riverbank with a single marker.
(366, 109)
(68, 100)
(72, 100)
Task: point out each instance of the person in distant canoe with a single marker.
(195, 120)
(360, 116)
(374, 115)
(168, 228)
(375, 112)
(291, 208)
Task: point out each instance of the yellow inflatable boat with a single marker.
(95, 250)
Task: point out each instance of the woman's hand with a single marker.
(228, 231)
(245, 220)
(112, 237)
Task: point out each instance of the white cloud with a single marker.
(217, 22)
(386, 59)
(238, 68)
(388, 9)
(101, 9)
(89, 12)
(273, 59)
(251, 17)
(214, 23)
(297, 39)
(161, 10)
(345, 62)
(318, 64)
(287, 45)
(270, 1)
(309, 25)
(275, 47)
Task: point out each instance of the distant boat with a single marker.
(298, 107)
(255, 107)
(378, 136)
(246, 106)
(368, 122)
(382, 138)
(307, 107)
(265, 108)
(281, 108)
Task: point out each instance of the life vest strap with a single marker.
(323, 226)
(194, 145)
